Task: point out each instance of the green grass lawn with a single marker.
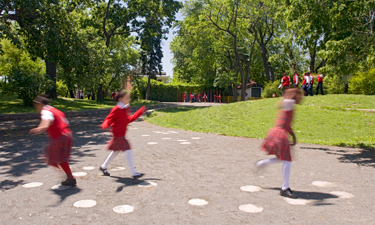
(318, 120)
(11, 104)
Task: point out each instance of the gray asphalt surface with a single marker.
(212, 168)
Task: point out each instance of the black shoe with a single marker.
(105, 172)
(288, 193)
(138, 176)
(68, 182)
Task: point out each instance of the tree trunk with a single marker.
(51, 71)
(71, 94)
(100, 94)
(148, 87)
(265, 62)
(346, 88)
(312, 64)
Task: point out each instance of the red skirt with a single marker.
(277, 143)
(58, 150)
(118, 144)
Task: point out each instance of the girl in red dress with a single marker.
(56, 125)
(277, 140)
(119, 119)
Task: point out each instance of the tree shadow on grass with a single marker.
(126, 181)
(361, 157)
(318, 198)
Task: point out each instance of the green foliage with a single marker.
(271, 88)
(333, 85)
(341, 127)
(164, 92)
(61, 88)
(363, 83)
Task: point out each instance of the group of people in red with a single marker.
(307, 83)
(56, 125)
(216, 98)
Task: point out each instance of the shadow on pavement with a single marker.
(319, 197)
(63, 194)
(9, 184)
(363, 157)
(126, 181)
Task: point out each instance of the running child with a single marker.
(277, 140)
(56, 125)
(118, 119)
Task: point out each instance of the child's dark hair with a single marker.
(120, 94)
(42, 99)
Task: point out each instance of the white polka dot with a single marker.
(133, 128)
(60, 187)
(157, 132)
(181, 140)
(173, 132)
(323, 184)
(145, 135)
(198, 202)
(85, 203)
(249, 208)
(296, 201)
(165, 133)
(342, 194)
(123, 209)
(32, 184)
(195, 138)
(88, 168)
(79, 174)
(118, 169)
(185, 143)
(250, 188)
(152, 143)
(166, 138)
(147, 184)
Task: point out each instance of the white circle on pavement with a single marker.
(181, 140)
(165, 133)
(158, 132)
(296, 201)
(118, 168)
(173, 132)
(85, 203)
(60, 187)
(79, 174)
(198, 202)
(185, 143)
(88, 168)
(166, 138)
(250, 208)
(195, 138)
(147, 184)
(152, 143)
(32, 184)
(342, 194)
(123, 209)
(145, 135)
(250, 188)
(323, 184)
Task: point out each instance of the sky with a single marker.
(167, 64)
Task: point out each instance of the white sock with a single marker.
(129, 158)
(266, 162)
(286, 174)
(111, 156)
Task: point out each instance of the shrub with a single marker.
(363, 83)
(270, 88)
(61, 88)
(333, 85)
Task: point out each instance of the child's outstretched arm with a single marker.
(137, 114)
(108, 121)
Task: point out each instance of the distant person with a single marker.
(54, 122)
(274, 95)
(295, 79)
(320, 84)
(199, 97)
(184, 97)
(214, 98)
(277, 140)
(113, 95)
(285, 83)
(118, 119)
(311, 86)
(81, 95)
(219, 98)
(205, 97)
(88, 95)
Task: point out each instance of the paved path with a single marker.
(184, 165)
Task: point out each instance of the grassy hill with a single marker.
(319, 119)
